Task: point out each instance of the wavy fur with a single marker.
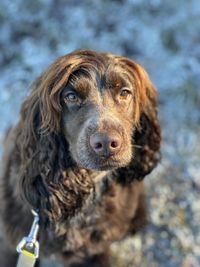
(40, 172)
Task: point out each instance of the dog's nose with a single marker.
(106, 144)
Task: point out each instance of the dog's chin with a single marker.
(103, 164)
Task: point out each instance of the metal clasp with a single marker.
(29, 244)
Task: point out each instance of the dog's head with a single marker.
(95, 110)
(96, 101)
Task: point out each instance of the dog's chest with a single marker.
(104, 218)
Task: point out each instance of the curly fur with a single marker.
(82, 210)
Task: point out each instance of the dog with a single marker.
(87, 136)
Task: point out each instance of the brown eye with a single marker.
(71, 97)
(125, 94)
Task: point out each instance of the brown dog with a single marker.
(88, 134)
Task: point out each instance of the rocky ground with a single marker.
(164, 36)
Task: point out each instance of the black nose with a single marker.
(106, 144)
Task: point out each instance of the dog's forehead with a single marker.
(115, 77)
(101, 78)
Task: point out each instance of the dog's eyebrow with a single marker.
(79, 82)
(116, 81)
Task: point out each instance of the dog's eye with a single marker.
(125, 94)
(71, 97)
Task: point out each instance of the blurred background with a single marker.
(163, 36)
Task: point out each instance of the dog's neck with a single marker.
(98, 175)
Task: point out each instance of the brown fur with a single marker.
(85, 201)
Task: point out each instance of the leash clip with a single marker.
(29, 244)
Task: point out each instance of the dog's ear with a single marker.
(42, 147)
(147, 135)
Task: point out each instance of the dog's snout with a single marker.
(106, 144)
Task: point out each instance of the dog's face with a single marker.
(98, 117)
(96, 100)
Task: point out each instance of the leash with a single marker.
(28, 248)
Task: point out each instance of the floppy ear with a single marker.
(42, 147)
(147, 136)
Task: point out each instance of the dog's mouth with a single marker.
(111, 163)
(104, 163)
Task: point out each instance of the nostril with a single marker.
(98, 145)
(114, 144)
(97, 142)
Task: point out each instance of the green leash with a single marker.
(28, 248)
